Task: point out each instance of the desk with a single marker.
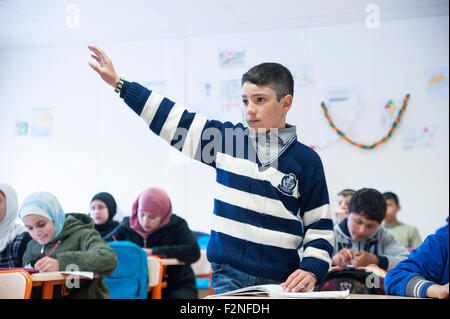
(351, 296)
(171, 262)
(50, 279)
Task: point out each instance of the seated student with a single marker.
(103, 209)
(63, 242)
(343, 199)
(424, 273)
(443, 228)
(13, 234)
(153, 227)
(407, 235)
(361, 240)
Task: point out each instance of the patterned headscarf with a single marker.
(44, 204)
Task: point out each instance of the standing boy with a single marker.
(272, 197)
(361, 240)
(407, 235)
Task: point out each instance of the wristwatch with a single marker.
(119, 85)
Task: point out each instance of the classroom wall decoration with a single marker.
(231, 58)
(437, 83)
(377, 143)
(417, 137)
(21, 128)
(42, 121)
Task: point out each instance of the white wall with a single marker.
(98, 144)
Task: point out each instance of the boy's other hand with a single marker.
(438, 291)
(104, 67)
(299, 280)
(344, 257)
(363, 259)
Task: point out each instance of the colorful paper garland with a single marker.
(379, 142)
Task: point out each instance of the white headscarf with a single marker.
(10, 226)
(44, 204)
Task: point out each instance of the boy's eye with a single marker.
(245, 102)
(260, 100)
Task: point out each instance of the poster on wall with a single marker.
(343, 104)
(230, 94)
(437, 83)
(231, 58)
(413, 137)
(389, 112)
(21, 128)
(42, 119)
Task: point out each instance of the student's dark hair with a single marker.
(369, 203)
(391, 195)
(271, 74)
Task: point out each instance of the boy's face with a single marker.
(41, 229)
(392, 208)
(262, 109)
(360, 227)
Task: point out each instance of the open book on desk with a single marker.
(278, 291)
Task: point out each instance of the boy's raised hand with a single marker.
(104, 67)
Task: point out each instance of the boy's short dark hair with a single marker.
(391, 195)
(274, 75)
(368, 202)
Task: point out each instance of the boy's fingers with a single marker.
(96, 58)
(95, 67)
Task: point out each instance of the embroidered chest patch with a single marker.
(287, 184)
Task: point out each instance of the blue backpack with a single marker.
(130, 279)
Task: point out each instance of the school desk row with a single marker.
(19, 285)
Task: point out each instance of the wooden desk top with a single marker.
(170, 261)
(55, 276)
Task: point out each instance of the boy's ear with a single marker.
(287, 102)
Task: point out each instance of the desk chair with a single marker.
(202, 269)
(15, 284)
(155, 277)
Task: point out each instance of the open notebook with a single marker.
(278, 291)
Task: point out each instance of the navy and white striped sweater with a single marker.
(263, 214)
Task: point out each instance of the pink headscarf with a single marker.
(154, 201)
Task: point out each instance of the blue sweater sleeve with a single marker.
(426, 265)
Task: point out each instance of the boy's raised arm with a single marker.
(104, 67)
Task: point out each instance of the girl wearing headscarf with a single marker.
(154, 227)
(13, 234)
(103, 209)
(62, 241)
